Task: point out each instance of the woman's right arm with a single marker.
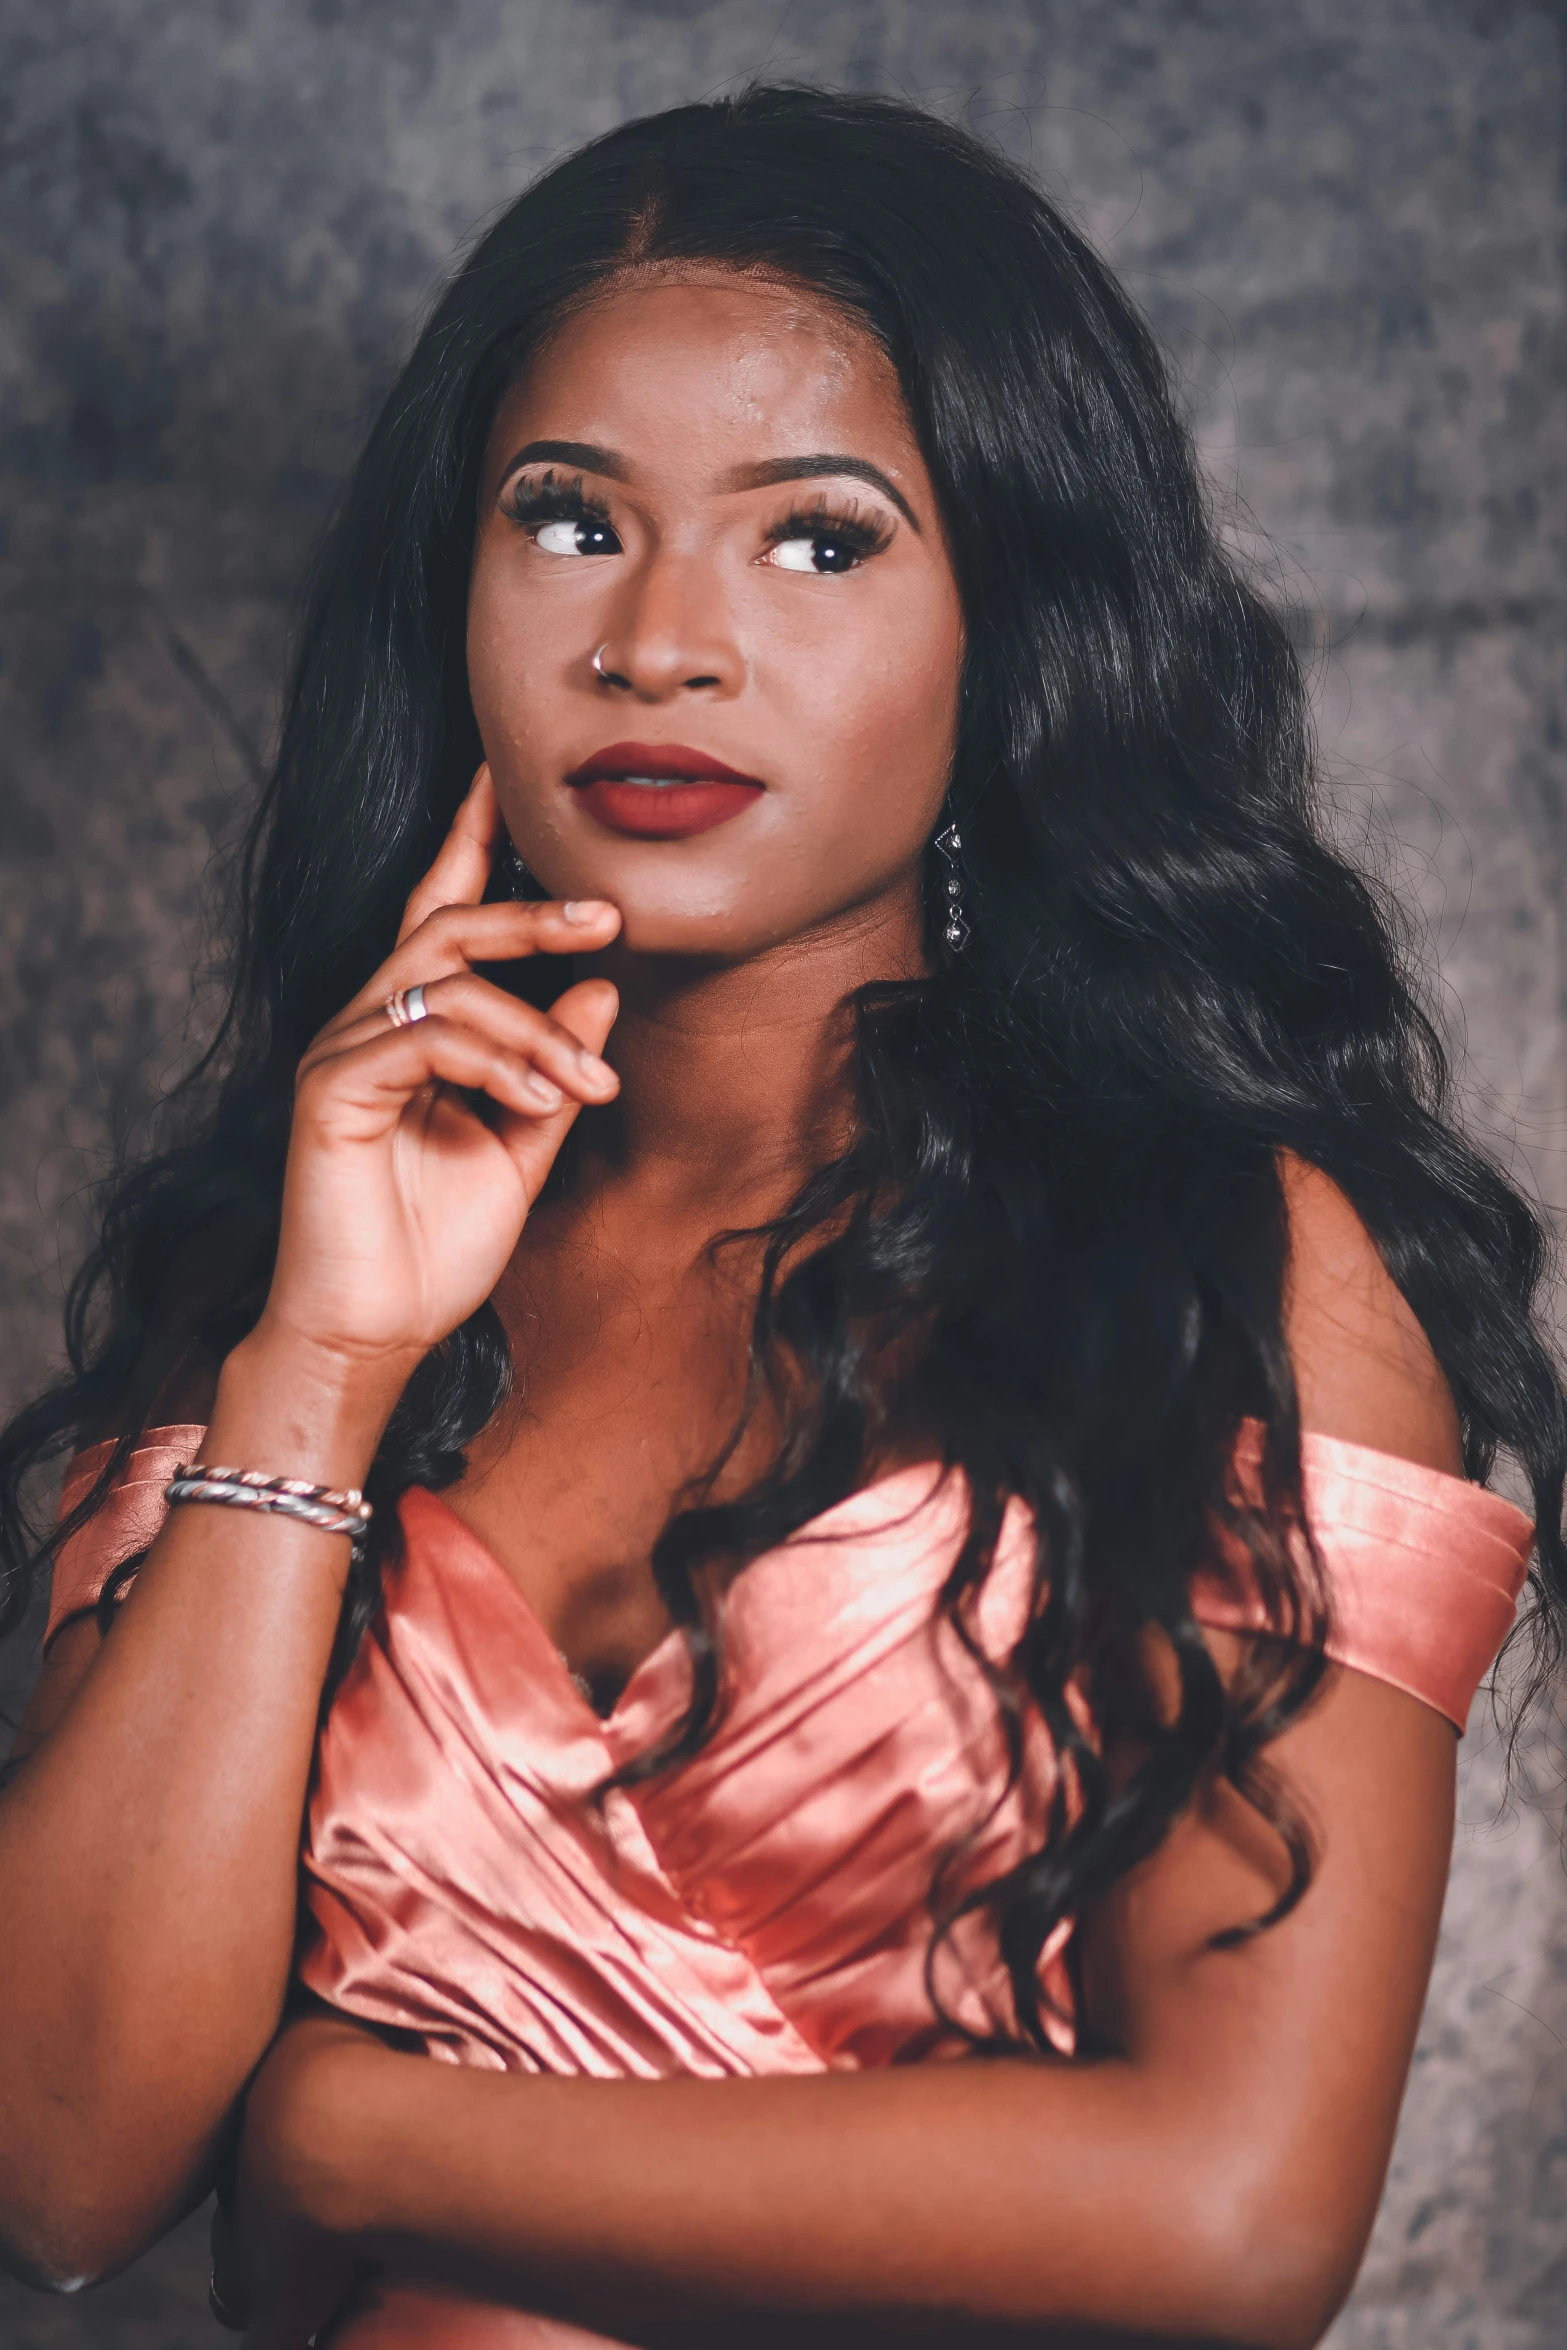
(149, 1845)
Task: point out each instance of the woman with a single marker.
(808, 1114)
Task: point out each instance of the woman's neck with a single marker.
(737, 1079)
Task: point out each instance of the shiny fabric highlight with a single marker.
(129, 1519)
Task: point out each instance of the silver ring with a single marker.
(406, 1006)
(597, 662)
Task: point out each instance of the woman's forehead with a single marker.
(740, 351)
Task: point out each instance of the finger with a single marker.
(452, 938)
(553, 1047)
(230, 2275)
(318, 2275)
(274, 2329)
(359, 1093)
(588, 1012)
(288, 2326)
(533, 1144)
(461, 872)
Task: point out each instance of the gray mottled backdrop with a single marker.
(221, 218)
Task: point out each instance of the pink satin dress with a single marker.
(763, 1907)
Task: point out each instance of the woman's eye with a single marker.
(821, 552)
(581, 536)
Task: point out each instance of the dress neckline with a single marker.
(652, 1670)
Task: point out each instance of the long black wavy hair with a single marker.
(1055, 1249)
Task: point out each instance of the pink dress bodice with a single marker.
(764, 1907)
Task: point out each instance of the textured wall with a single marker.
(220, 219)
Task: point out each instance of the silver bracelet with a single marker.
(333, 1510)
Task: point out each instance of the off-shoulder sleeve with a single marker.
(125, 1521)
(1423, 1571)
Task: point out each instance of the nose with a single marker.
(671, 633)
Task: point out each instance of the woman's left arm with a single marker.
(1213, 2183)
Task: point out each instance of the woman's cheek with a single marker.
(512, 693)
(894, 705)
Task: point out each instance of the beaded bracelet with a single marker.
(333, 1510)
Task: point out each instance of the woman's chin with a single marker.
(677, 935)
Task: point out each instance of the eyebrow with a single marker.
(816, 467)
(589, 457)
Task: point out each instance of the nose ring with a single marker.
(597, 663)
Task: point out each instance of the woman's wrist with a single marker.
(296, 1410)
(325, 2123)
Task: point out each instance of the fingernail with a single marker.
(591, 1065)
(582, 911)
(540, 1090)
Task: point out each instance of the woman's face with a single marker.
(709, 484)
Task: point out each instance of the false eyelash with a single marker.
(549, 499)
(867, 534)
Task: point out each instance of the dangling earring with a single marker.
(513, 873)
(956, 933)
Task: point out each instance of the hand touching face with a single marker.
(714, 638)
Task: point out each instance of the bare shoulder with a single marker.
(1363, 1365)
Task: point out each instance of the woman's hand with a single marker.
(402, 1205)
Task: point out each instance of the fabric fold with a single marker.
(128, 1520)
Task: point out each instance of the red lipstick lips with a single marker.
(661, 791)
